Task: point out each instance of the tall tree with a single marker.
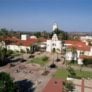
(61, 34)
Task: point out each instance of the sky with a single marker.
(39, 15)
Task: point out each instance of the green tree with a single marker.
(6, 83)
(45, 59)
(74, 54)
(71, 72)
(58, 51)
(53, 52)
(3, 32)
(53, 64)
(61, 34)
(69, 86)
(4, 54)
(37, 34)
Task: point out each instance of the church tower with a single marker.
(55, 26)
(54, 43)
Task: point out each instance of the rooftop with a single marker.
(79, 45)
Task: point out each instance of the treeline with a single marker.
(61, 34)
(9, 33)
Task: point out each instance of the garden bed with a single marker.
(63, 73)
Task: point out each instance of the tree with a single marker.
(71, 72)
(53, 64)
(74, 54)
(53, 51)
(6, 83)
(58, 51)
(3, 32)
(61, 34)
(45, 59)
(37, 34)
(4, 54)
(69, 86)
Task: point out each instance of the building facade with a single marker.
(54, 43)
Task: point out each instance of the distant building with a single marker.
(24, 37)
(86, 39)
(83, 38)
(33, 37)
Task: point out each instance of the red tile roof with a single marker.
(54, 85)
(77, 45)
(82, 48)
(76, 42)
(27, 42)
(12, 39)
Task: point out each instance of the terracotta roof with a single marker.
(28, 42)
(42, 39)
(85, 57)
(76, 42)
(54, 85)
(82, 48)
(13, 39)
(79, 45)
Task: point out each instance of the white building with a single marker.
(82, 51)
(55, 26)
(24, 37)
(33, 37)
(83, 38)
(24, 44)
(54, 43)
(86, 39)
(15, 47)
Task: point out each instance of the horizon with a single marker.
(40, 15)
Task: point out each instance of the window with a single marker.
(53, 44)
(81, 53)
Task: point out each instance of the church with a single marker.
(54, 43)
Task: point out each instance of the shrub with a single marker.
(6, 83)
(45, 58)
(22, 51)
(71, 72)
(87, 61)
(69, 86)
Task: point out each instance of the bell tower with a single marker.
(55, 26)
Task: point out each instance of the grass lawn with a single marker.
(63, 73)
(40, 60)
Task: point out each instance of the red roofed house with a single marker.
(54, 85)
(24, 43)
(75, 49)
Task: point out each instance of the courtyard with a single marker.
(31, 71)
